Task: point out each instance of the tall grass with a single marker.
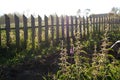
(97, 67)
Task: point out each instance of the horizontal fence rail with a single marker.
(52, 28)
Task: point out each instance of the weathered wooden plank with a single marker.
(46, 28)
(62, 23)
(76, 25)
(67, 27)
(84, 27)
(114, 23)
(25, 30)
(17, 31)
(107, 22)
(104, 23)
(52, 28)
(72, 28)
(39, 29)
(96, 22)
(33, 31)
(80, 26)
(57, 28)
(99, 24)
(93, 25)
(91, 29)
(67, 32)
(87, 25)
(7, 26)
(110, 23)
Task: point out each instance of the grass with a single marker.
(75, 70)
(81, 66)
(100, 68)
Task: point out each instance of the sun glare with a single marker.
(60, 7)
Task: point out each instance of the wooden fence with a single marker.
(53, 28)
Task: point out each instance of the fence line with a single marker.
(55, 28)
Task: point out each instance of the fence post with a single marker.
(46, 28)
(80, 26)
(57, 28)
(87, 27)
(52, 29)
(72, 35)
(7, 22)
(96, 21)
(67, 27)
(39, 30)
(76, 25)
(67, 32)
(63, 33)
(110, 22)
(33, 31)
(84, 27)
(25, 31)
(104, 22)
(113, 23)
(17, 31)
(99, 24)
(93, 26)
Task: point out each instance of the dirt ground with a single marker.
(30, 70)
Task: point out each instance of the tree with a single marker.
(115, 10)
(2, 19)
(87, 11)
(78, 12)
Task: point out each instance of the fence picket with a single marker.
(113, 24)
(46, 28)
(39, 29)
(91, 29)
(80, 27)
(33, 31)
(25, 30)
(72, 35)
(97, 23)
(93, 25)
(104, 23)
(7, 22)
(17, 31)
(52, 28)
(87, 24)
(67, 27)
(63, 32)
(76, 25)
(84, 27)
(57, 28)
(67, 32)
